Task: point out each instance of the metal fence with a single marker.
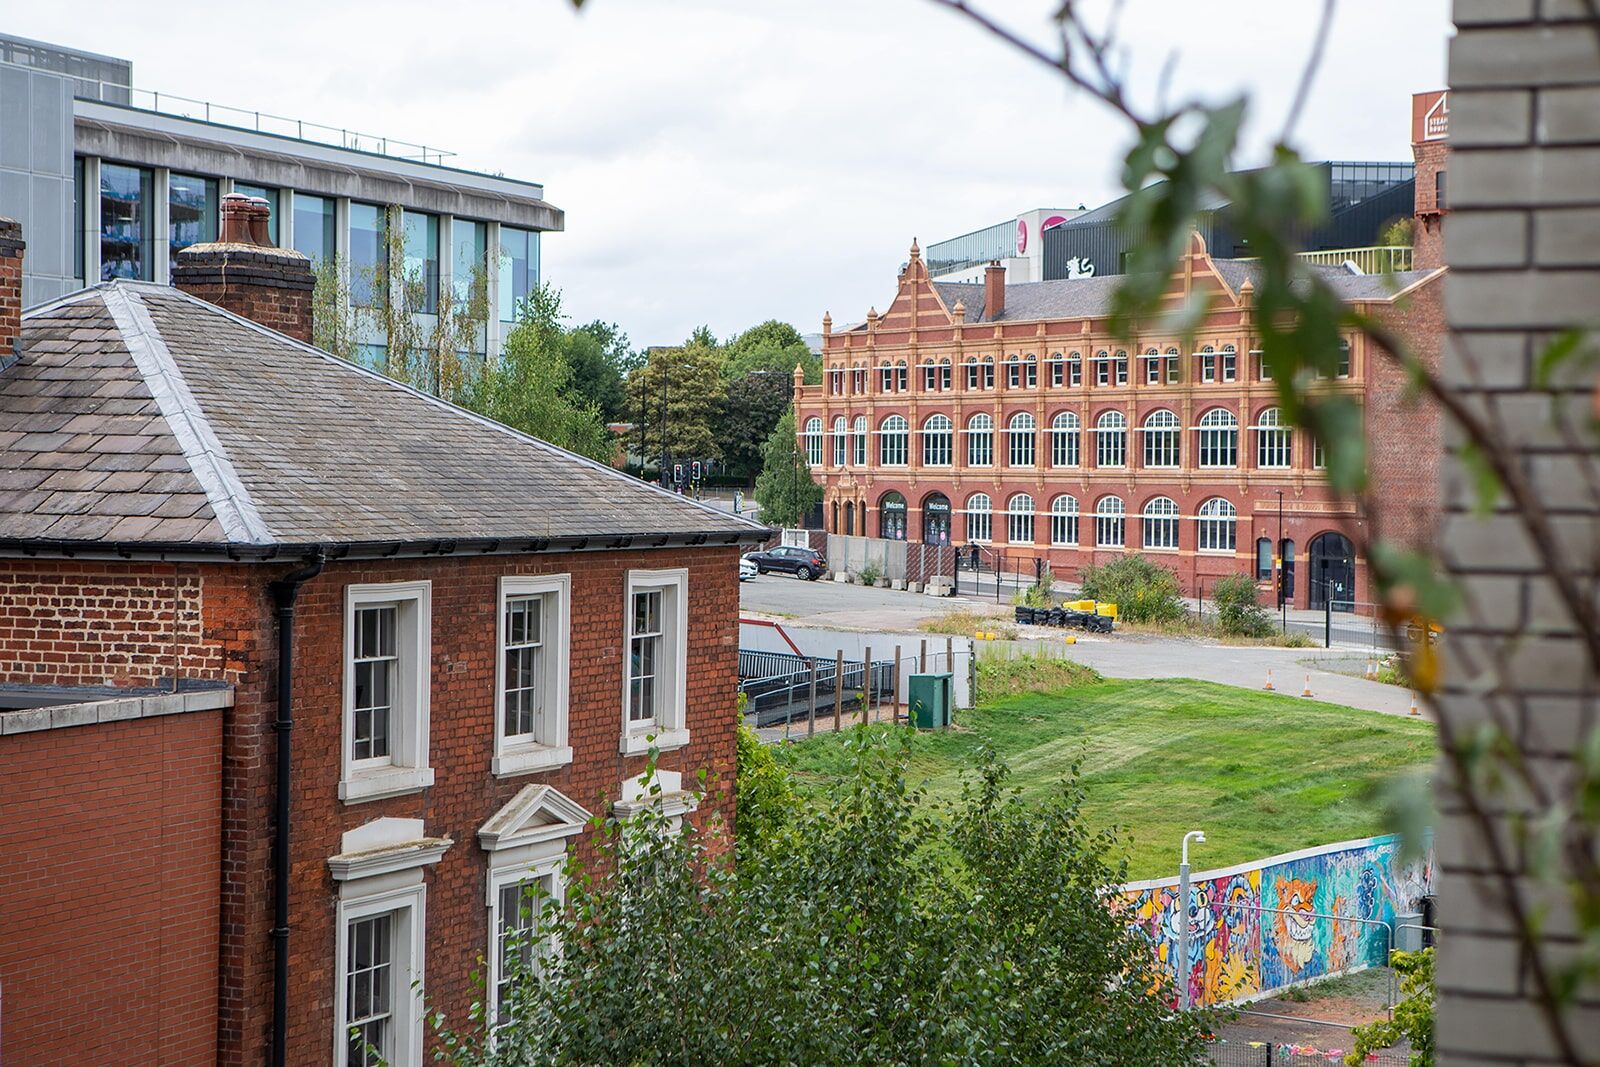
(1282, 1054)
(1355, 624)
(778, 685)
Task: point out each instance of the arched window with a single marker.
(1264, 561)
(1109, 523)
(886, 377)
(892, 516)
(1064, 520)
(988, 372)
(813, 436)
(1208, 364)
(1161, 523)
(979, 518)
(1013, 364)
(859, 441)
(892, 441)
(1020, 439)
(936, 435)
(1173, 364)
(1030, 371)
(980, 441)
(973, 372)
(930, 375)
(1161, 431)
(1120, 364)
(841, 440)
(944, 375)
(1075, 369)
(1217, 523)
(902, 376)
(1219, 439)
(1111, 440)
(1102, 367)
(1064, 450)
(1152, 366)
(1272, 439)
(858, 378)
(1057, 368)
(1230, 363)
(1019, 528)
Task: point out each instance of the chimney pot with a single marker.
(235, 226)
(260, 215)
(11, 250)
(994, 290)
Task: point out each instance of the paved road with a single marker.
(1334, 675)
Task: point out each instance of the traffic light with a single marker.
(677, 473)
(694, 469)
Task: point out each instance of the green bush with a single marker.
(1239, 612)
(764, 796)
(1412, 1019)
(869, 574)
(878, 929)
(1142, 590)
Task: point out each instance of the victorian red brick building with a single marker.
(1011, 417)
(306, 677)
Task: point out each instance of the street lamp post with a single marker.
(1283, 588)
(663, 421)
(1199, 838)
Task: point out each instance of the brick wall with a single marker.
(11, 251)
(271, 286)
(1405, 477)
(108, 891)
(1525, 136)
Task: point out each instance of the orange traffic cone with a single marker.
(1372, 669)
(1413, 710)
(1268, 687)
(1307, 690)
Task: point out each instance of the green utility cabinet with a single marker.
(931, 696)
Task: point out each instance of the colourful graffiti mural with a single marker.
(1263, 926)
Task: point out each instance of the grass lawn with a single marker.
(1260, 773)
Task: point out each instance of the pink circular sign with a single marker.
(1022, 237)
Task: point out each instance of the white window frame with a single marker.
(1022, 440)
(1066, 446)
(1160, 525)
(1064, 520)
(540, 750)
(670, 727)
(894, 444)
(1106, 520)
(813, 437)
(1214, 526)
(985, 516)
(1161, 440)
(1020, 526)
(858, 441)
(379, 871)
(980, 441)
(406, 769)
(938, 441)
(841, 441)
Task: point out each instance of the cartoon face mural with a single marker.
(1282, 921)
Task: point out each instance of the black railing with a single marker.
(777, 685)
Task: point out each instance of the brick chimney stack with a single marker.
(243, 271)
(1430, 148)
(11, 246)
(994, 290)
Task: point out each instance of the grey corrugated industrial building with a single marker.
(111, 180)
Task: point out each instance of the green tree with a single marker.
(528, 388)
(598, 354)
(870, 930)
(774, 347)
(687, 379)
(785, 490)
(754, 404)
(1142, 590)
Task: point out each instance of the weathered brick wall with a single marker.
(108, 624)
(1405, 475)
(1524, 259)
(271, 286)
(108, 892)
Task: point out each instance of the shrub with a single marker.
(1239, 612)
(876, 930)
(764, 795)
(1009, 676)
(1412, 1019)
(869, 574)
(1142, 590)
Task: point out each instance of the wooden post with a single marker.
(894, 705)
(950, 665)
(811, 703)
(838, 690)
(922, 657)
(866, 684)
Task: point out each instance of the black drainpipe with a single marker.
(284, 591)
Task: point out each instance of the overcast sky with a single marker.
(730, 161)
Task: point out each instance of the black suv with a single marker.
(801, 561)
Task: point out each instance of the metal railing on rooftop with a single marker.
(251, 119)
(1374, 259)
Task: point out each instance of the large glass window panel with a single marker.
(271, 197)
(469, 245)
(314, 227)
(366, 253)
(126, 237)
(519, 269)
(421, 252)
(191, 211)
(369, 990)
(78, 234)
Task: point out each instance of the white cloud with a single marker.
(725, 162)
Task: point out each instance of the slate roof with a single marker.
(1071, 298)
(143, 417)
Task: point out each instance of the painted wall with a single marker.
(1263, 926)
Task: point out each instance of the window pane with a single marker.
(421, 254)
(271, 197)
(366, 253)
(314, 235)
(369, 990)
(519, 269)
(125, 215)
(191, 211)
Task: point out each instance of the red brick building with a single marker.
(1011, 417)
(414, 652)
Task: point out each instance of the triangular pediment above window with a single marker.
(537, 813)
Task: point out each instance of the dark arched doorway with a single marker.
(849, 518)
(892, 517)
(936, 519)
(1333, 571)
